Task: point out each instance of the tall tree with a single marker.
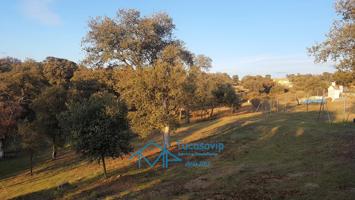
(99, 127)
(155, 60)
(258, 84)
(23, 83)
(18, 88)
(87, 81)
(10, 111)
(189, 87)
(339, 45)
(155, 93)
(128, 39)
(207, 85)
(225, 94)
(31, 140)
(47, 106)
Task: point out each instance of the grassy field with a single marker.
(285, 155)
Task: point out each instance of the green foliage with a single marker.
(225, 94)
(155, 92)
(58, 71)
(257, 84)
(235, 79)
(47, 106)
(344, 78)
(31, 140)
(206, 84)
(128, 39)
(311, 84)
(137, 59)
(202, 62)
(279, 89)
(339, 44)
(98, 126)
(255, 102)
(8, 63)
(152, 64)
(87, 81)
(18, 88)
(9, 113)
(23, 83)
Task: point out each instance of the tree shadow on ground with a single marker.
(67, 159)
(43, 195)
(19, 164)
(129, 182)
(172, 173)
(175, 184)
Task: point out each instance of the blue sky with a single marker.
(241, 36)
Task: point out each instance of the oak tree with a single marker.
(99, 127)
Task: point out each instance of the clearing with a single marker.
(285, 155)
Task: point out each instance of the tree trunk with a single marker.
(187, 117)
(277, 105)
(104, 165)
(320, 109)
(298, 101)
(180, 114)
(166, 136)
(31, 162)
(232, 108)
(211, 114)
(1, 149)
(54, 150)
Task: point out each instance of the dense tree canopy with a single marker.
(153, 72)
(18, 88)
(157, 91)
(141, 72)
(98, 127)
(58, 71)
(258, 84)
(137, 78)
(31, 140)
(311, 84)
(129, 39)
(224, 94)
(87, 81)
(7, 63)
(47, 106)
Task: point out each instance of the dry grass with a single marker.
(277, 156)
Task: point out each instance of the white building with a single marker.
(334, 91)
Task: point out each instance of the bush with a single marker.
(255, 102)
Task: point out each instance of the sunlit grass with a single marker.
(283, 155)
